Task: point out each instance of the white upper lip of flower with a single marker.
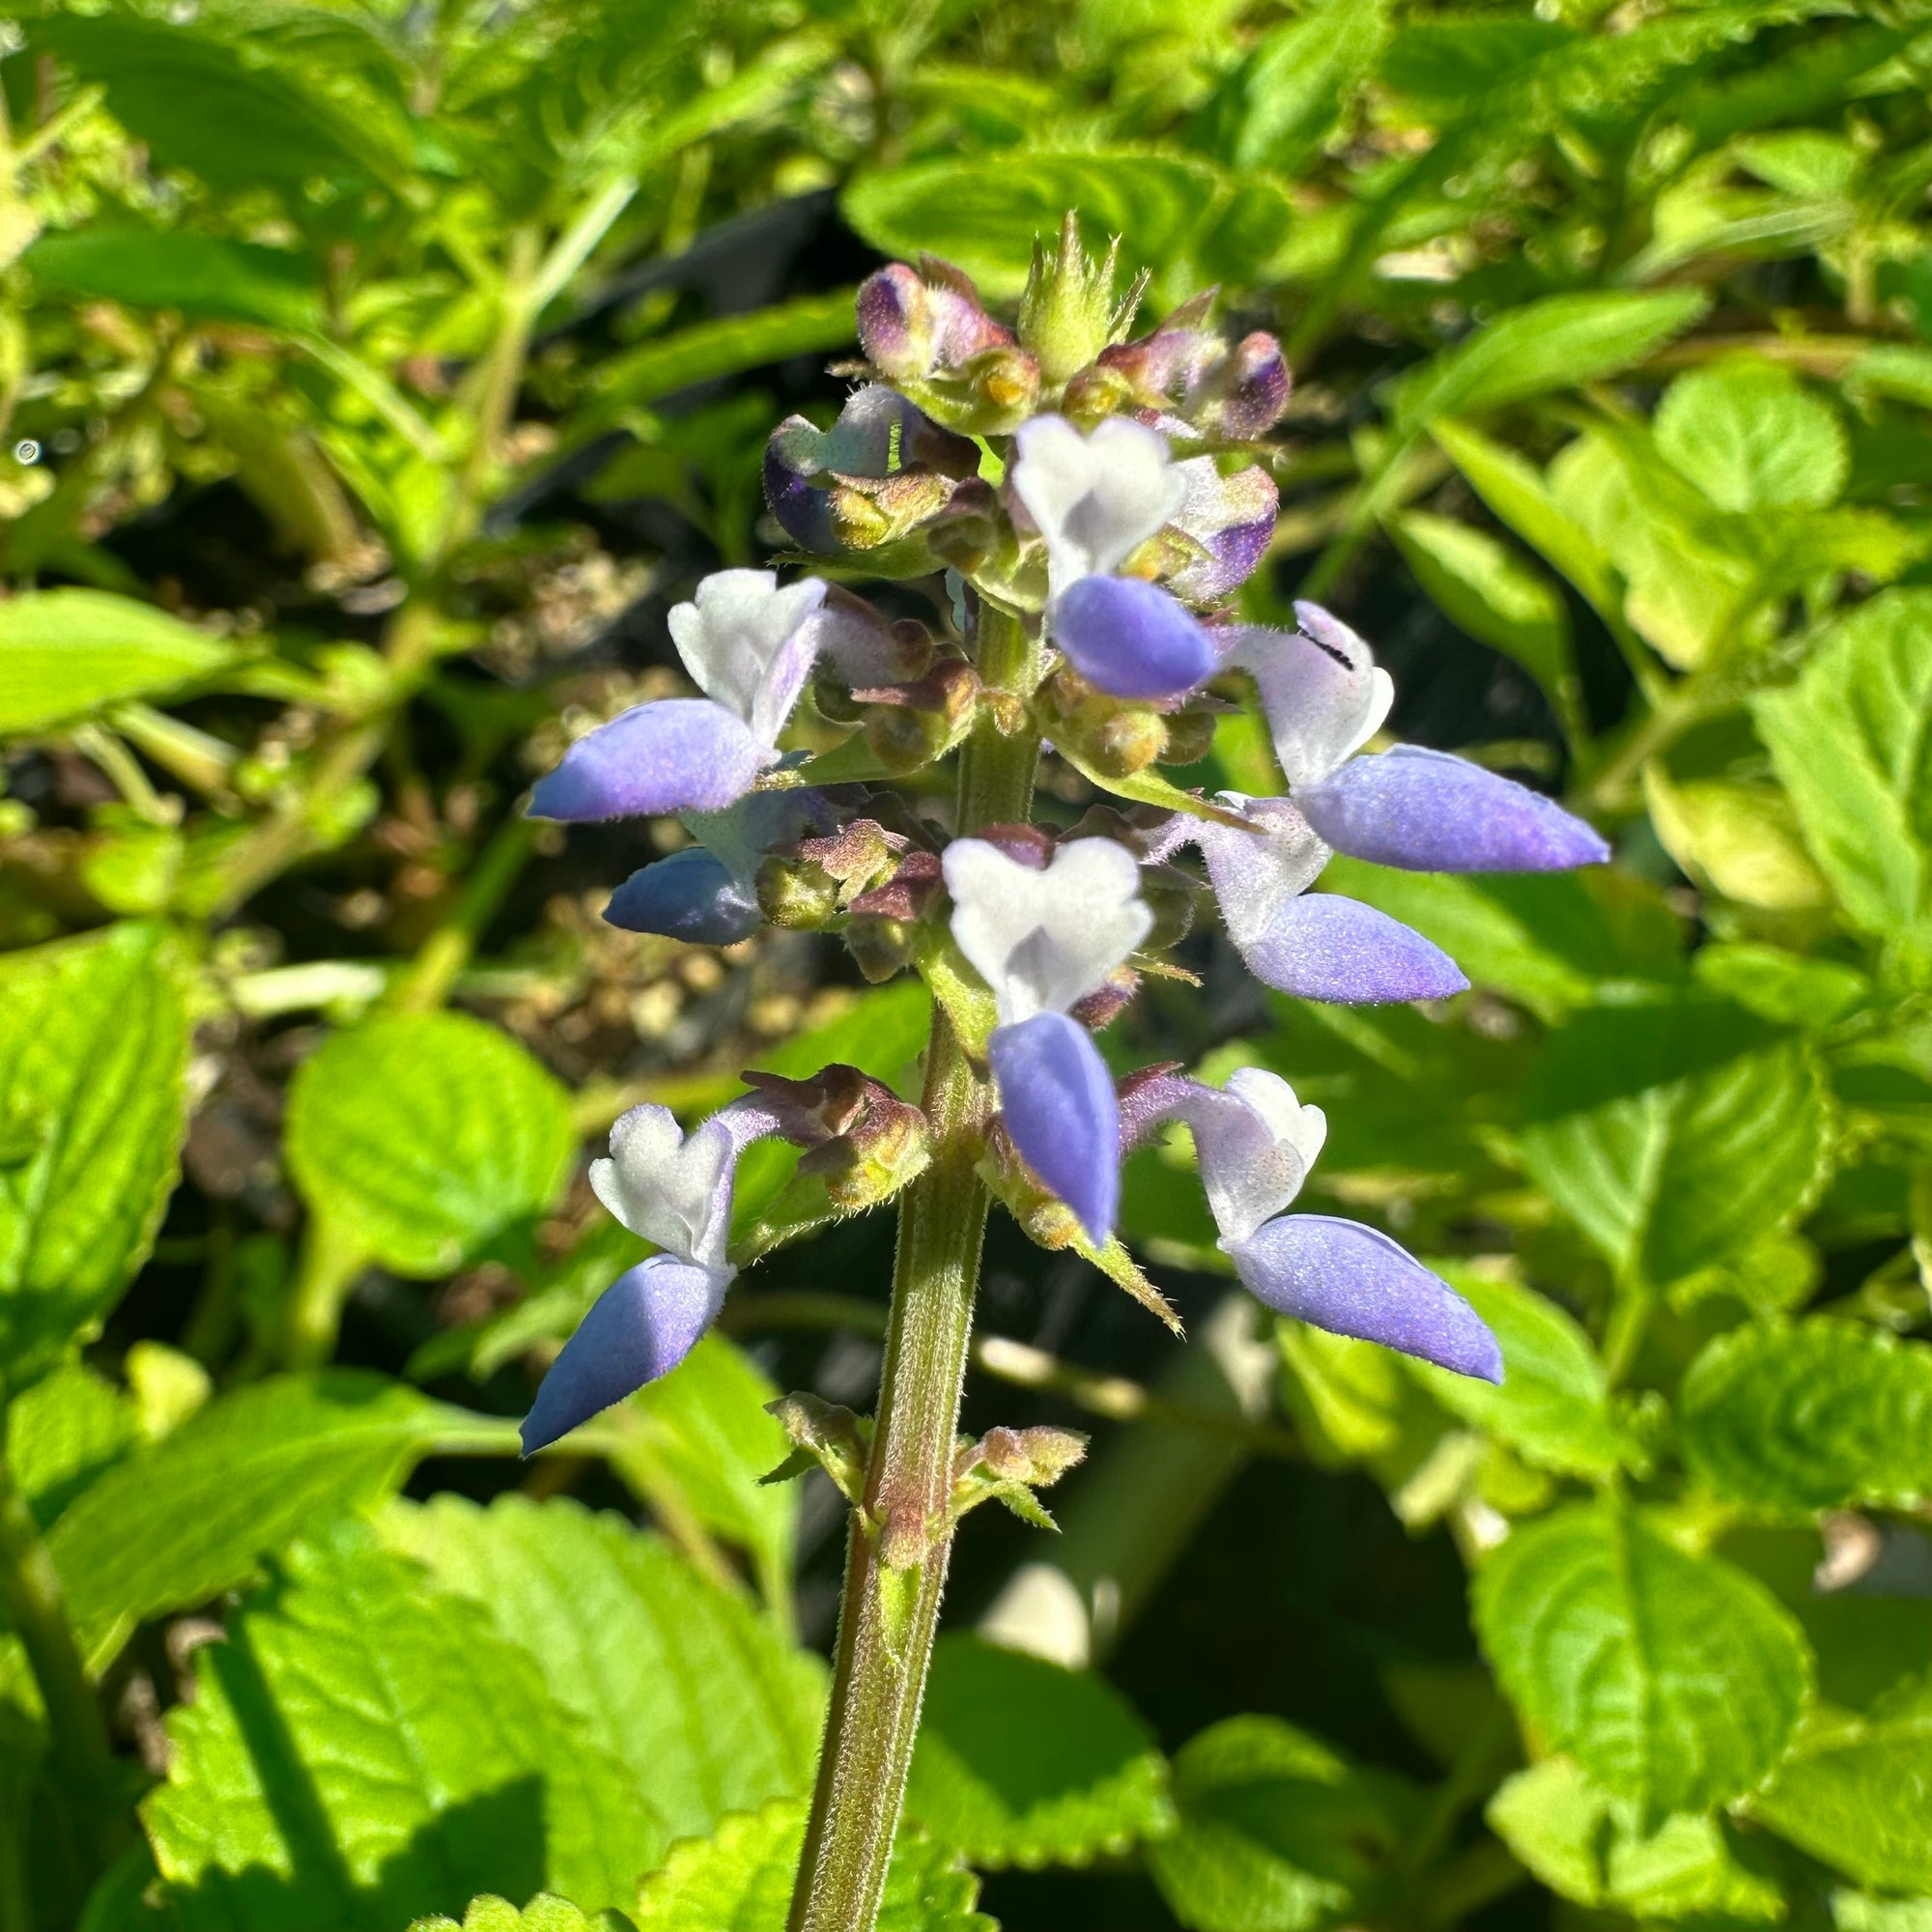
(1094, 499)
(1324, 693)
(733, 638)
(1044, 940)
(674, 1192)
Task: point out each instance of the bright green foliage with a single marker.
(66, 654)
(708, 1709)
(1675, 1681)
(1751, 437)
(1553, 1405)
(1854, 1794)
(1022, 1763)
(170, 1527)
(1597, 1850)
(740, 1881)
(363, 1751)
(1673, 1133)
(1795, 1420)
(702, 1443)
(63, 1432)
(1848, 739)
(418, 1136)
(201, 275)
(546, 1912)
(1277, 1833)
(91, 1061)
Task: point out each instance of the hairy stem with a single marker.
(901, 1538)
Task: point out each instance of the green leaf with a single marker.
(1554, 343)
(189, 1517)
(1751, 436)
(1790, 1421)
(700, 1441)
(740, 1881)
(1858, 1912)
(199, 105)
(727, 346)
(545, 1913)
(362, 1752)
(1595, 1850)
(1855, 1794)
(1020, 1762)
(1284, 99)
(421, 1136)
(66, 654)
(984, 218)
(1675, 1681)
(1553, 1405)
(201, 275)
(1674, 1133)
(1514, 489)
(1848, 741)
(1483, 588)
(93, 1065)
(1737, 839)
(1549, 939)
(1277, 1833)
(708, 1708)
(63, 1432)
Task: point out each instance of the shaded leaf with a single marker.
(710, 1711)
(66, 654)
(201, 275)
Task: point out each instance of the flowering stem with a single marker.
(902, 1539)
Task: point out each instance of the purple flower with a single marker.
(1043, 939)
(749, 645)
(676, 1192)
(1425, 811)
(1255, 1143)
(1130, 639)
(1231, 519)
(707, 895)
(1317, 946)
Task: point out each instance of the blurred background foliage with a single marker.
(372, 378)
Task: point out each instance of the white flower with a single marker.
(1320, 688)
(1095, 499)
(1044, 940)
(746, 643)
(1255, 1143)
(676, 1192)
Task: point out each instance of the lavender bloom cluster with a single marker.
(1110, 494)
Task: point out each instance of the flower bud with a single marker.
(797, 894)
(1244, 397)
(1068, 313)
(876, 1157)
(1036, 1457)
(1190, 734)
(880, 947)
(1172, 897)
(1095, 393)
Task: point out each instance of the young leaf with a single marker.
(1282, 102)
(545, 1913)
(171, 1527)
(65, 654)
(1595, 1850)
(1553, 1405)
(364, 1751)
(1277, 1833)
(205, 276)
(1020, 1762)
(740, 1881)
(1791, 1421)
(1674, 1133)
(1483, 588)
(1554, 343)
(418, 1136)
(1675, 1681)
(1752, 437)
(1848, 740)
(708, 1709)
(92, 1062)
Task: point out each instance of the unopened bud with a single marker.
(880, 947)
(873, 1159)
(1170, 895)
(1190, 734)
(1068, 313)
(1127, 741)
(797, 893)
(1095, 394)
(1036, 1457)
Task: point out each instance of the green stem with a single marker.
(332, 1262)
(901, 1538)
(30, 1594)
